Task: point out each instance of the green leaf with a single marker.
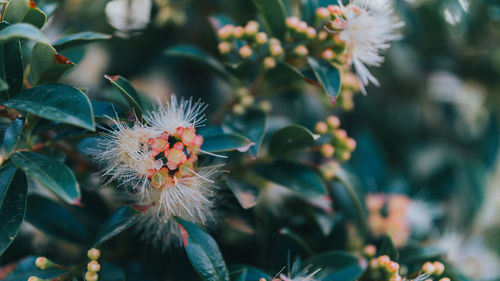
(203, 252)
(119, 221)
(328, 76)
(11, 66)
(252, 124)
(50, 173)
(60, 103)
(128, 92)
(13, 192)
(246, 193)
(78, 39)
(387, 247)
(55, 220)
(24, 11)
(343, 266)
(225, 142)
(46, 66)
(274, 16)
(111, 272)
(11, 137)
(293, 175)
(291, 139)
(194, 54)
(22, 31)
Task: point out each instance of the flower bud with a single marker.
(321, 127)
(351, 144)
(383, 261)
(43, 263)
(34, 278)
(262, 279)
(329, 169)
(445, 279)
(261, 38)
(393, 267)
(439, 268)
(93, 266)
(291, 22)
(340, 134)
(328, 54)
(276, 50)
(265, 106)
(91, 276)
(246, 52)
(94, 254)
(301, 27)
(428, 268)
(327, 150)
(251, 28)
(333, 121)
(369, 250)
(224, 47)
(238, 32)
(241, 92)
(373, 263)
(336, 24)
(238, 109)
(322, 13)
(334, 10)
(247, 100)
(269, 63)
(344, 156)
(396, 277)
(225, 32)
(301, 51)
(311, 33)
(322, 35)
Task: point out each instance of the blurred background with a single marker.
(427, 138)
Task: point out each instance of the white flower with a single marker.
(367, 26)
(159, 161)
(128, 15)
(421, 215)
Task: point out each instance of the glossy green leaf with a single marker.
(252, 124)
(11, 66)
(60, 103)
(24, 11)
(128, 92)
(387, 247)
(111, 272)
(225, 142)
(328, 76)
(119, 221)
(338, 265)
(13, 192)
(291, 139)
(46, 66)
(295, 176)
(246, 193)
(274, 16)
(11, 137)
(50, 173)
(55, 220)
(78, 39)
(22, 31)
(194, 54)
(203, 252)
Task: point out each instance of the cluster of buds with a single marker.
(93, 266)
(340, 145)
(169, 13)
(434, 269)
(394, 220)
(383, 268)
(245, 100)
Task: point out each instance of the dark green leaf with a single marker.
(203, 252)
(328, 76)
(293, 175)
(78, 39)
(128, 91)
(274, 16)
(119, 221)
(55, 220)
(50, 173)
(192, 53)
(11, 137)
(22, 31)
(246, 193)
(60, 103)
(111, 272)
(13, 192)
(46, 66)
(343, 266)
(11, 66)
(225, 142)
(252, 124)
(387, 247)
(24, 11)
(291, 139)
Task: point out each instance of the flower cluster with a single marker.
(158, 160)
(383, 268)
(93, 266)
(339, 144)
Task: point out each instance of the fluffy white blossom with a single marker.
(367, 27)
(158, 160)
